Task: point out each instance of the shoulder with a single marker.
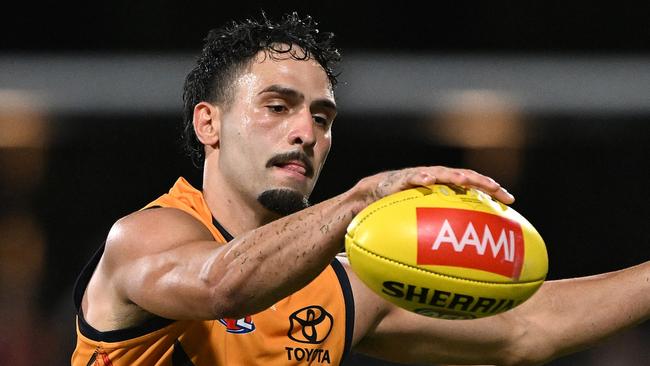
(137, 245)
(152, 231)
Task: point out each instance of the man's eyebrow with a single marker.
(325, 103)
(294, 94)
(283, 90)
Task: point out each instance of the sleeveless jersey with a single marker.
(313, 326)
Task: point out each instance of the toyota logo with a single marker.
(311, 324)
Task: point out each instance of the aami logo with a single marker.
(464, 238)
(243, 325)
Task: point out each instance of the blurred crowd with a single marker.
(37, 324)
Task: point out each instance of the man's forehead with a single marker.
(293, 59)
(273, 68)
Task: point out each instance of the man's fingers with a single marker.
(395, 181)
(420, 178)
(488, 185)
(470, 178)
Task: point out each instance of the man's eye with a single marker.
(320, 120)
(277, 108)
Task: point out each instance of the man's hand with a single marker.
(386, 183)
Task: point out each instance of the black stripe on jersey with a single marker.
(226, 235)
(84, 277)
(348, 298)
(92, 359)
(179, 356)
(124, 334)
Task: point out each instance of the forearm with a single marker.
(569, 315)
(265, 265)
(562, 317)
(269, 263)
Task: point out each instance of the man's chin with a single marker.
(283, 201)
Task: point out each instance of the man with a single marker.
(244, 272)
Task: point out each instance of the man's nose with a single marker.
(302, 129)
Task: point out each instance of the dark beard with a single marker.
(283, 201)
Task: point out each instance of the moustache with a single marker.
(300, 156)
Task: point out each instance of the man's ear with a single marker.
(207, 123)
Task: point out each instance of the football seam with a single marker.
(441, 274)
(384, 206)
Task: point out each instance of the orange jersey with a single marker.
(313, 326)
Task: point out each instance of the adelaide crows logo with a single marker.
(238, 326)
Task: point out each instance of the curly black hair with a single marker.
(227, 51)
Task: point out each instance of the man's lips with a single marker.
(293, 161)
(294, 166)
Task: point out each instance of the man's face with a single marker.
(276, 134)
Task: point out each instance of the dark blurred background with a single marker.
(552, 99)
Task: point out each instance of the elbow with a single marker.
(223, 289)
(229, 298)
(526, 345)
(222, 306)
(234, 291)
(227, 302)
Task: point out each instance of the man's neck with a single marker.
(231, 209)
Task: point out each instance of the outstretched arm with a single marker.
(162, 262)
(564, 316)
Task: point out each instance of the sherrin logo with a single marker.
(464, 238)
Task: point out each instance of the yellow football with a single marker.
(447, 252)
